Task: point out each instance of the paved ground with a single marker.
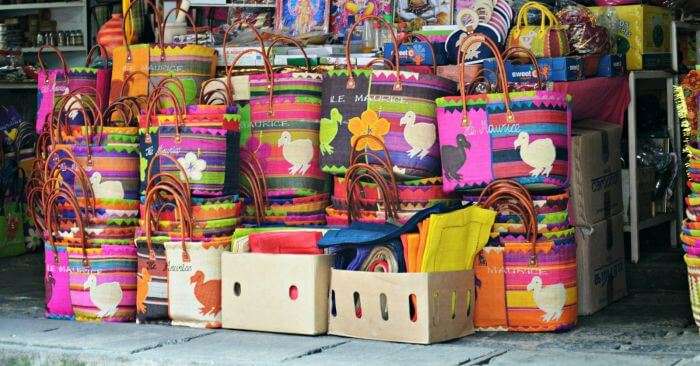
(646, 328)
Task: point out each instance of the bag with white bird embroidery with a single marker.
(397, 107)
(280, 129)
(540, 280)
(524, 136)
(203, 138)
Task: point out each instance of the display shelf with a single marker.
(51, 5)
(48, 49)
(675, 26)
(672, 218)
(18, 85)
(237, 5)
(654, 221)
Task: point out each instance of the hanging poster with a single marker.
(301, 17)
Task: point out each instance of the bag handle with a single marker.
(508, 193)
(53, 225)
(208, 97)
(253, 172)
(544, 10)
(61, 58)
(290, 41)
(412, 37)
(129, 76)
(122, 108)
(151, 178)
(356, 154)
(517, 51)
(268, 73)
(378, 60)
(156, 12)
(351, 78)
(80, 176)
(97, 47)
(33, 202)
(186, 219)
(480, 38)
(387, 192)
(153, 100)
(180, 88)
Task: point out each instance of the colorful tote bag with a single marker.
(192, 64)
(152, 267)
(194, 282)
(203, 139)
(56, 275)
(490, 303)
(544, 40)
(282, 131)
(540, 283)
(103, 283)
(396, 107)
(97, 77)
(12, 213)
(525, 136)
(130, 63)
(52, 84)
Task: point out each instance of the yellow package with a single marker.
(644, 34)
(455, 238)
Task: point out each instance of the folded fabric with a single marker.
(374, 258)
(455, 238)
(294, 242)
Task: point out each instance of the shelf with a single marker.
(229, 5)
(654, 221)
(48, 49)
(21, 85)
(652, 74)
(59, 4)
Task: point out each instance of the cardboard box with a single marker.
(643, 34)
(553, 69)
(596, 185)
(600, 253)
(375, 305)
(281, 293)
(611, 65)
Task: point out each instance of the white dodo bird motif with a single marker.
(107, 189)
(539, 154)
(550, 299)
(298, 153)
(420, 136)
(106, 296)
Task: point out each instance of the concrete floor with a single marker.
(649, 327)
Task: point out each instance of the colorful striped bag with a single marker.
(152, 272)
(204, 140)
(52, 84)
(192, 64)
(525, 136)
(282, 131)
(539, 276)
(56, 275)
(396, 107)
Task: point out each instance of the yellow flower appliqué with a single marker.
(368, 123)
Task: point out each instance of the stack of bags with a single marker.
(690, 234)
(280, 119)
(190, 204)
(379, 133)
(88, 185)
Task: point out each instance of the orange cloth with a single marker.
(138, 84)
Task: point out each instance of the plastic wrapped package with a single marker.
(585, 36)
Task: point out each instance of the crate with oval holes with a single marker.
(402, 307)
(282, 293)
